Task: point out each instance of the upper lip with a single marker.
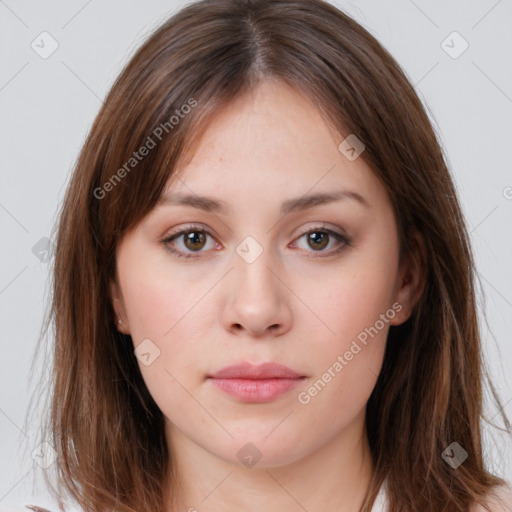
(261, 371)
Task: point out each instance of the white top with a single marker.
(381, 502)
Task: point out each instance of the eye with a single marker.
(192, 239)
(319, 238)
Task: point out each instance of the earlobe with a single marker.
(411, 278)
(120, 319)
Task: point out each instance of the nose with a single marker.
(257, 299)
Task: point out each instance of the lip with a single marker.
(260, 371)
(255, 383)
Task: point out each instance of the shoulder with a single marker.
(500, 500)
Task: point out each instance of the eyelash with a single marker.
(197, 229)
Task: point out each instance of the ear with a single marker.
(121, 319)
(412, 277)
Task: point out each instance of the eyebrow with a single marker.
(210, 204)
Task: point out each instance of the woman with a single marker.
(264, 289)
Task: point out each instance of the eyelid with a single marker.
(322, 226)
(187, 227)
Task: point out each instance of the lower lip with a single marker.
(255, 391)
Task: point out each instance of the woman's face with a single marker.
(269, 276)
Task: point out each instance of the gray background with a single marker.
(47, 107)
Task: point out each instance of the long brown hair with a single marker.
(102, 421)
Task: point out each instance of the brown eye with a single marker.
(194, 240)
(189, 241)
(318, 240)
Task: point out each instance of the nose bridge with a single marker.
(257, 299)
(253, 262)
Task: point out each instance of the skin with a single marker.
(295, 304)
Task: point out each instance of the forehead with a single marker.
(270, 143)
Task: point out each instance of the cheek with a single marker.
(342, 388)
(347, 363)
(164, 307)
(176, 325)
(353, 299)
(158, 299)
(151, 308)
(159, 311)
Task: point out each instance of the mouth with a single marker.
(250, 383)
